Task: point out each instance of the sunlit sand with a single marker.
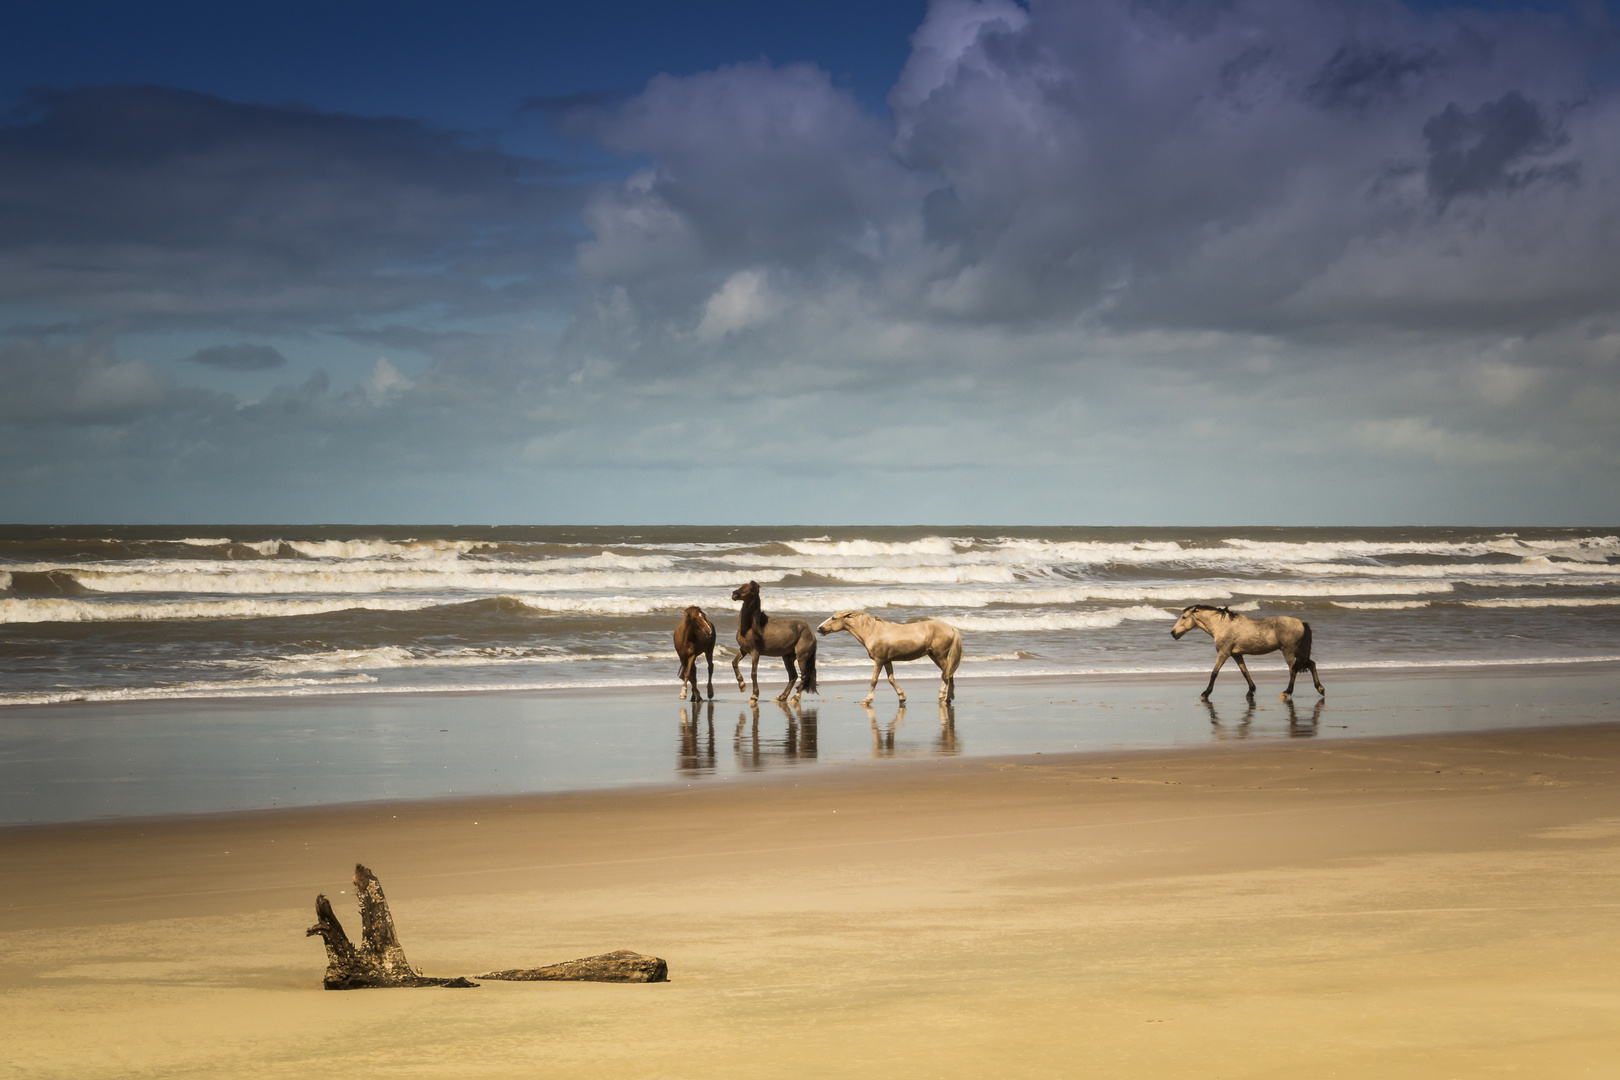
(1404, 906)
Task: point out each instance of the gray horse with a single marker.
(760, 635)
(1238, 635)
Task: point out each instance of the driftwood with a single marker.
(380, 960)
(621, 966)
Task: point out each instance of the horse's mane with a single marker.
(1228, 612)
(753, 615)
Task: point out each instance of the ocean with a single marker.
(241, 612)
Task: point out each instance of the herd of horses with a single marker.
(1235, 636)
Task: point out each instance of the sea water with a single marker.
(235, 612)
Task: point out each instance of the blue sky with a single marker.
(976, 262)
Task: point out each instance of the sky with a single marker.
(1113, 262)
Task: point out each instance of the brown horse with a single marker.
(695, 637)
(1237, 635)
(760, 635)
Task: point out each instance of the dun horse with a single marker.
(887, 642)
(1238, 636)
(694, 638)
(760, 635)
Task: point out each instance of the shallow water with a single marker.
(78, 761)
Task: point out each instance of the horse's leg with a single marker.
(753, 675)
(793, 677)
(710, 655)
(1245, 669)
(871, 691)
(737, 671)
(1220, 658)
(1293, 672)
(686, 673)
(1320, 689)
(888, 669)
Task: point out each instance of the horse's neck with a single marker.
(860, 627)
(752, 617)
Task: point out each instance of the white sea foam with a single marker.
(923, 575)
(259, 579)
(53, 609)
(1382, 605)
(929, 545)
(232, 688)
(392, 657)
(1076, 620)
(374, 549)
(1546, 602)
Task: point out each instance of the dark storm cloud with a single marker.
(239, 357)
(1231, 167)
(1363, 77)
(148, 205)
(1376, 239)
(1472, 153)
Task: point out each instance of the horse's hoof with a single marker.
(1280, 697)
(866, 701)
(1203, 697)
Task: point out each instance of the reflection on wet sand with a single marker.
(1224, 730)
(883, 737)
(1304, 729)
(696, 752)
(796, 747)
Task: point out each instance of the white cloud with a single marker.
(745, 300)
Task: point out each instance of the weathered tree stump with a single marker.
(380, 960)
(622, 966)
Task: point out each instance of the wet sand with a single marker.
(1422, 906)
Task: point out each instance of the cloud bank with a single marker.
(1121, 261)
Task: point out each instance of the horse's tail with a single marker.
(954, 656)
(1302, 651)
(809, 683)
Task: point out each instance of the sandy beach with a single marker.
(1439, 905)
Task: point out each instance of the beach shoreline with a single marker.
(150, 759)
(1409, 905)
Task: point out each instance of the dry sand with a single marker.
(1430, 907)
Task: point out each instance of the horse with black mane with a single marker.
(760, 635)
(1237, 636)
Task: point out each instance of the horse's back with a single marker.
(1268, 635)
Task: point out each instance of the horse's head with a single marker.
(838, 622)
(745, 591)
(1188, 620)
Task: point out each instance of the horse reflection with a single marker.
(1304, 729)
(883, 745)
(696, 753)
(797, 746)
(1223, 732)
(883, 738)
(947, 730)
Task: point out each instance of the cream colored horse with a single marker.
(887, 642)
(1238, 635)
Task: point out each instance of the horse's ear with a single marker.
(755, 584)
